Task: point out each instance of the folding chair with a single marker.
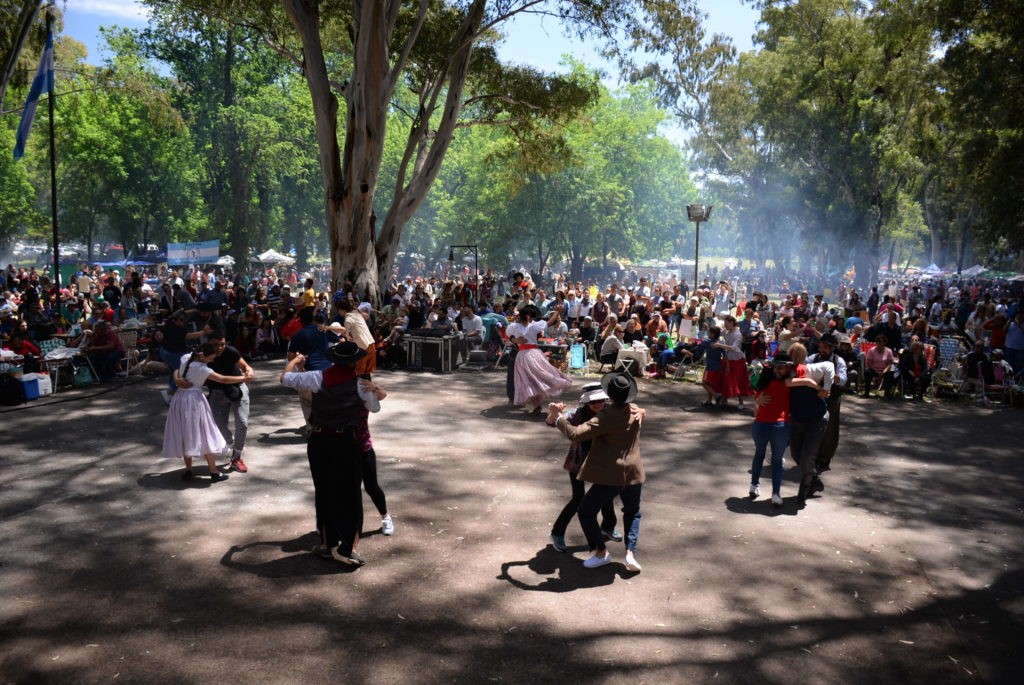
(132, 362)
(1000, 386)
(577, 359)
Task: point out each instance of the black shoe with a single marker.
(801, 495)
(613, 535)
(822, 468)
(816, 486)
(218, 477)
(187, 475)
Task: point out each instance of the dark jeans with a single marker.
(370, 483)
(510, 375)
(104, 363)
(803, 444)
(337, 469)
(887, 381)
(595, 499)
(830, 439)
(608, 518)
(916, 386)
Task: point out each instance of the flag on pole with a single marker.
(42, 83)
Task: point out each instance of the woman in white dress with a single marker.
(535, 379)
(190, 430)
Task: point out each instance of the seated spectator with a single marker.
(977, 366)
(21, 345)
(555, 328)
(611, 345)
(105, 350)
(632, 332)
(878, 365)
(914, 371)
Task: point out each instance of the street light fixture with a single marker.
(697, 214)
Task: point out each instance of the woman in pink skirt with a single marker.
(536, 381)
(190, 430)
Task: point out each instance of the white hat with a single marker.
(366, 307)
(592, 392)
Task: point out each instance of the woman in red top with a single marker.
(771, 424)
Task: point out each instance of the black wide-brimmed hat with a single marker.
(619, 386)
(346, 352)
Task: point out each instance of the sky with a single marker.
(532, 40)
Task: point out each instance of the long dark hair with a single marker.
(206, 349)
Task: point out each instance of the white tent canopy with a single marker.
(226, 260)
(274, 257)
(932, 268)
(975, 270)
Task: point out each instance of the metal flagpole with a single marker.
(53, 179)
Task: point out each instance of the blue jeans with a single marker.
(599, 495)
(777, 435)
(173, 361)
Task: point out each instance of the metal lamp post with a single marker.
(697, 214)
(476, 261)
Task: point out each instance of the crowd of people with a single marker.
(793, 353)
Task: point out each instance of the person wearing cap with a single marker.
(592, 401)
(340, 401)
(771, 424)
(357, 330)
(830, 440)
(614, 466)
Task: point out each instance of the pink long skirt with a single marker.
(536, 379)
(190, 430)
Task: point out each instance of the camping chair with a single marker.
(578, 358)
(506, 347)
(999, 387)
(132, 361)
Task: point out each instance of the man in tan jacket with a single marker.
(614, 466)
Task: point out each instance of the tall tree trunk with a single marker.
(26, 17)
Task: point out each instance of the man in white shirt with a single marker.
(472, 332)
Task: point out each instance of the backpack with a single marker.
(11, 391)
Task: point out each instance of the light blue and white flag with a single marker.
(42, 83)
(206, 252)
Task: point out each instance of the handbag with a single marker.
(82, 377)
(233, 392)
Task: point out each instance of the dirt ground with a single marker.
(906, 569)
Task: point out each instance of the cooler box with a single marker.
(31, 388)
(45, 386)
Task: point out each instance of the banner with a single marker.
(42, 83)
(181, 254)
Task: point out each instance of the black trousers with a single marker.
(336, 465)
(608, 517)
(510, 374)
(370, 483)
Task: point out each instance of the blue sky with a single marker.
(532, 40)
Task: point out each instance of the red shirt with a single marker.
(777, 410)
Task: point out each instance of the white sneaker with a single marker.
(167, 396)
(597, 560)
(755, 490)
(632, 565)
(387, 526)
(776, 500)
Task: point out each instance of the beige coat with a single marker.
(614, 457)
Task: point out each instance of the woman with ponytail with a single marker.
(190, 430)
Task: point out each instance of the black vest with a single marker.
(336, 406)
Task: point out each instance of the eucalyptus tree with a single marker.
(358, 54)
(17, 20)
